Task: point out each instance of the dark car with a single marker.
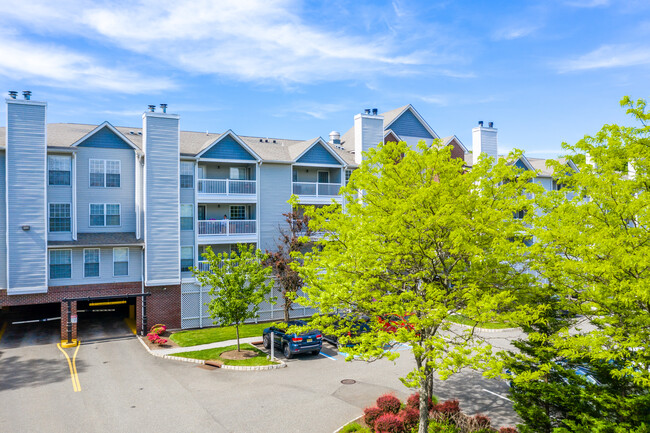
(292, 344)
(355, 325)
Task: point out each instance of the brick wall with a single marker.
(164, 305)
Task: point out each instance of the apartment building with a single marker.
(94, 213)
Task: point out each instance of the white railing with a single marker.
(225, 186)
(227, 227)
(204, 266)
(316, 189)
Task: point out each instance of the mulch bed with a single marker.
(170, 344)
(244, 354)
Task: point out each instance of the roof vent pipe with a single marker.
(374, 111)
(152, 108)
(367, 111)
(491, 124)
(163, 107)
(13, 94)
(27, 95)
(480, 123)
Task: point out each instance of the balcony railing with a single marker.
(316, 189)
(204, 265)
(227, 227)
(225, 186)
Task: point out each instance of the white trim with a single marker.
(47, 170)
(327, 148)
(420, 119)
(128, 253)
(105, 215)
(311, 164)
(103, 125)
(99, 263)
(162, 282)
(180, 215)
(237, 139)
(527, 163)
(49, 251)
(48, 217)
(454, 138)
(74, 195)
(181, 257)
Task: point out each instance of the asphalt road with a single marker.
(123, 388)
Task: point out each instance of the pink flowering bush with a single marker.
(389, 423)
(156, 339)
(370, 415)
(158, 329)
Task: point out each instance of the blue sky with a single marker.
(543, 71)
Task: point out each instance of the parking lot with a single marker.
(123, 388)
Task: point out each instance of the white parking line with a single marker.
(327, 356)
(494, 393)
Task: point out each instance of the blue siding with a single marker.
(105, 268)
(105, 138)
(26, 167)
(228, 148)
(520, 164)
(3, 225)
(275, 190)
(409, 125)
(318, 155)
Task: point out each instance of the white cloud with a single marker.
(58, 66)
(587, 3)
(316, 110)
(510, 33)
(608, 56)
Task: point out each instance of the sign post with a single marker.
(272, 345)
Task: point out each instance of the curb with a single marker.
(281, 364)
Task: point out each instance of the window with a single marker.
(59, 170)
(348, 173)
(187, 217)
(91, 262)
(519, 215)
(295, 176)
(238, 173)
(323, 177)
(59, 217)
(237, 212)
(104, 215)
(60, 264)
(557, 185)
(187, 174)
(112, 214)
(103, 173)
(120, 261)
(187, 258)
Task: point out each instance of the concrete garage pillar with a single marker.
(64, 320)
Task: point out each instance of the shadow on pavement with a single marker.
(17, 372)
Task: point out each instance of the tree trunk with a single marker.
(287, 307)
(425, 391)
(237, 330)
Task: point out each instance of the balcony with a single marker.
(224, 190)
(316, 192)
(204, 265)
(227, 231)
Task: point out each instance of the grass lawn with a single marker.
(462, 320)
(212, 335)
(207, 354)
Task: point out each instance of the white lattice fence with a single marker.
(194, 311)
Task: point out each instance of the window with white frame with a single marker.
(348, 173)
(59, 217)
(58, 170)
(60, 264)
(238, 173)
(187, 258)
(104, 173)
(120, 261)
(91, 262)
(187, 217)
(323, 176)
(187, 174)
(105, 215)
(237, 212)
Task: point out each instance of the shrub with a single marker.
(156, 339)
(370, 415)
(389, 423)
(442, 427)
(354, 427)
(480, 421)
(158, 329)
(414, 401)
(447, 408)
(410, 417)
(388, 403)
(508, 430)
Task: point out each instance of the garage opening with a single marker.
(28, 325)
(100, 319)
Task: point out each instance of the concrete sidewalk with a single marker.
(205, 346)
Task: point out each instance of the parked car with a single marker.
(292, 344)
(355, 324)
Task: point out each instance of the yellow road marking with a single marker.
(131, 324)
(72, 365)
(3, 329)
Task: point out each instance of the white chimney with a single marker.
(484, 140)
(368, 132)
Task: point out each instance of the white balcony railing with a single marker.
(316, 189)
(225, 186)
(204, 266)
(227, 227)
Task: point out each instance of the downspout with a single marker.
(142, 331)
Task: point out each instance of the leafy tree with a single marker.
(293, 238)
(423, 238)
(238, 284)
(593, 246)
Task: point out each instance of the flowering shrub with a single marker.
(158, 329)
(508, 430)
(414, 401)
(156, 339)
(389, 403)
(389, 423)
(410, 417)
(370, 415)
(447, 408)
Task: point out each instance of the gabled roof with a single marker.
(235, 137)
(545, 171)
(391, 116)
(296, 148)
(448, 140)
(100, 127)
(390, 132)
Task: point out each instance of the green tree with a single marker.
(424, 238)
(238, 284)
(593, 246)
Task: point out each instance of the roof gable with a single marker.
(390, 136)
(106, 136)
(228, 146)
(318, 153)
(409, 123)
